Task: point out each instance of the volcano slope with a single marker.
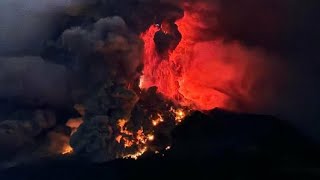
(214, 144)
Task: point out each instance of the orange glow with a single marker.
(200, 74)
(122, 123)
(74, 124)
(177, 77)
(141, 138)
(150, 137)
(180, 114)
(137, 154)
(67, 149)
(127, 142)
(118, 138)
(123, 129)
(158, 120)
(130, 138)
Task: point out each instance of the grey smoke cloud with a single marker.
(26, 25)
(33, 81)
(19, 136)
(25, 77)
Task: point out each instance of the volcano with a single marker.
(105, 87)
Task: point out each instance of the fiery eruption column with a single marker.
(175, 76)
(202, 73)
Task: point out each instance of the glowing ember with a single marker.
(130, 139)
(179, 115)
(158, 120)
(141, 138)
(137, 154)
(121, 124)
(127, 142)
(123, 129)
(118, 138)
(150, 137)
(67, 149)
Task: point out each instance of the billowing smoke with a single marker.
(78, 65)
(83, 61)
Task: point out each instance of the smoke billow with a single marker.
(92, 54)
(79, 52)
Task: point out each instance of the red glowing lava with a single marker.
(202, 74)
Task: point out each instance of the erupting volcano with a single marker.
(115, 86)
(183, 70)
(121, 81)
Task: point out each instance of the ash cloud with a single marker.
(31, 80)
(110, 38)
(19, 135)
(26, 25)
